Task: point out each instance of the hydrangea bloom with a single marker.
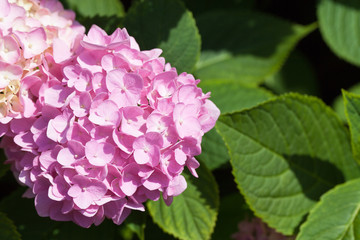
(31, 30)
(114, 127)
(257, 230)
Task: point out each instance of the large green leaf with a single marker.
(166, 24)
(8, 229)
(336, 216)
(285, 154)
(352, 109)
(245, 46)
(228, 96)
(214, 153)
(338, 104)
(339, 22)
(297, 75)
(192, 215)
(91, 8)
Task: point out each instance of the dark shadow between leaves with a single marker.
(153, 22)
(109, 24)
(242, 33)
(351, 4)
(315, 175)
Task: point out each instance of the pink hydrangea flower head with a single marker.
(30, 31)
(257, 230)
(112, 128)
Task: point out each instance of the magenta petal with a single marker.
(25, 140)
(74, 191)
(43, 204)
(83, 200)
(80, 104)
(129, 188)
(141, 157)
(123, 141)
(81, 220)
(65, 157)
(56, 95)
(99, 154)
(105, 114)
(96, 189)
(156, 181)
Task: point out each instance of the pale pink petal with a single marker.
(61, 50)
(99, 154)
(33, 42)
(176, 186)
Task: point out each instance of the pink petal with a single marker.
(177, 186)
(115, 79)
(81, 104)
(156, 181)
(123, 141)
(99, 154)
(57, 95)
(9, 49)
(105, 114)
(33, 42)
(61, 50)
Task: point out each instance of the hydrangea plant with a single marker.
(162, 119)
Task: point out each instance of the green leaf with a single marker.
(336, 216)
(352, 110)
(338, 104)
(8, 229)
(192, 215)
(91, 8)
(339, 21)
(285, 154)
(166, 24)
(214, 152)
(297, 75)
(228, 96)
(245, 46)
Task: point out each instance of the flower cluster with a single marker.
(31, 30)
(257, 230)
(113, 127)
